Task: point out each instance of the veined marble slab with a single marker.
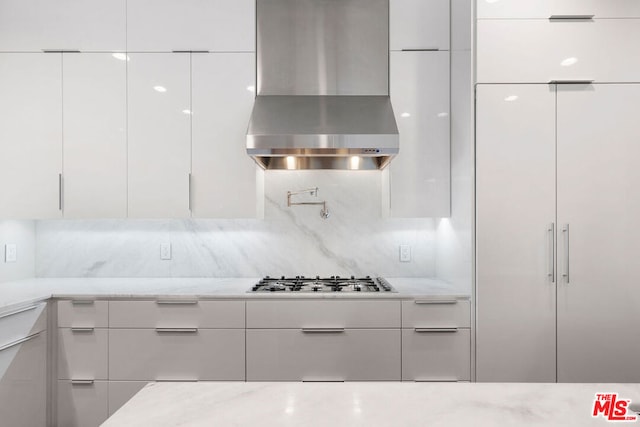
(367, 404)
(30, 290)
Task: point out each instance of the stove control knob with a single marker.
(282, 278)
(353, 277)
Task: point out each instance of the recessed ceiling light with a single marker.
(443, 114)
(511, 98)
(160, 88)
(569, 61)
(187, 111)
(405, 115)
(251, 88)
(121, 56)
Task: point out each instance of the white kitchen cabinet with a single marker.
(31, 135)
(194, 25)
(23, 366)
(83, 313)
(177, 354)
(436, 312)
(574, 166)
(159, 135)
(82, 354)
(224, 178)
(432, 354)
(419, 24)
(420, 179)
(603, 50)
(95, 136)
(121, 391)
(88, 25)
(323, 355)
(82, 403)
(598, 295)
(177, 313)
(543, 9)
(515, 176)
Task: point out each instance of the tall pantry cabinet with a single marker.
(557, 218)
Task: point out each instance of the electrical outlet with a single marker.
(405, 253)
(165, 251)
(10, 252)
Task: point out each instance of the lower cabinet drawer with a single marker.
(323, 355)
(82, 404)
(82, 354)
(430, 355)
(176, 354)
(121, 391)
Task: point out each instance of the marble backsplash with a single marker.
(356, 239)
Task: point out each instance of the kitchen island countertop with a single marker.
(27, 291)
(367, 404)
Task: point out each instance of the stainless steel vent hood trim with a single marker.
(323, 100)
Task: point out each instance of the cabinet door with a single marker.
(602, 50)
(419, 24)
(420, 180)
(82, 354)
(545, 8)
(598, 175)
(298, 355)
(515, 197)
(224, 177)
(95, 137)
(159, 118)
(436, 355)
(87, 25)
(23, 382)
(31, 135)
(82, 404)
(170, 25)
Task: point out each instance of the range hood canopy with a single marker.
(323, 86)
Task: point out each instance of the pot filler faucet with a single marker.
(324, 212)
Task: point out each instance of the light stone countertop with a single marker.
(22, 292)
(368, 404)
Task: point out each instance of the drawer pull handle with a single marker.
(571, 17)
(82, 382)
(177, 381)
(177, 330)
(443, 380)
(82, 302)
(176, 302)
(436, 330)
(21, 310)
(322, 381)
(20, 341)
(322, 330)
(571, 82)
(85, 330)
(436, 301)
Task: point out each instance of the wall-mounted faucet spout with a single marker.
(324, 212)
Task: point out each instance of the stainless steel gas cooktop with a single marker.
(318, 284)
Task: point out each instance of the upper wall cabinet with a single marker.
(30, 135)
(419, 175)
(223, 176)
(543, 9)
(605, 50)
(86, 25)
(194, 25)
(95, 136)
(419, 24)
(159, 117)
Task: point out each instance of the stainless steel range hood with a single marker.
(323, 86)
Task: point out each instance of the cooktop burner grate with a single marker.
(318, 284)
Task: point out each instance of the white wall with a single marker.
(23, 235)
(289, 241)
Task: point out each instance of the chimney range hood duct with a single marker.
(323, 86)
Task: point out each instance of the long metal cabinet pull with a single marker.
(21, 310)
(323, 330)
(552, 252)
(176, 330)
(190, 192)
(565, 231)
(571, 17)
(59, 191)
(20, 341)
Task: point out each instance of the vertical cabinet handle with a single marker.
(565, 232)
(59, 191)
(189, 202)
(552, 252)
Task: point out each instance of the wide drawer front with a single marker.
(121, 391)
(83, 313)
(543, 9)
(540, 51)
(174, 354)
(177, 313)
(82, 404)
(82, 354)
(443, 355)
(323, 314)
(349, 355)
(436, 313)
(22, 322)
